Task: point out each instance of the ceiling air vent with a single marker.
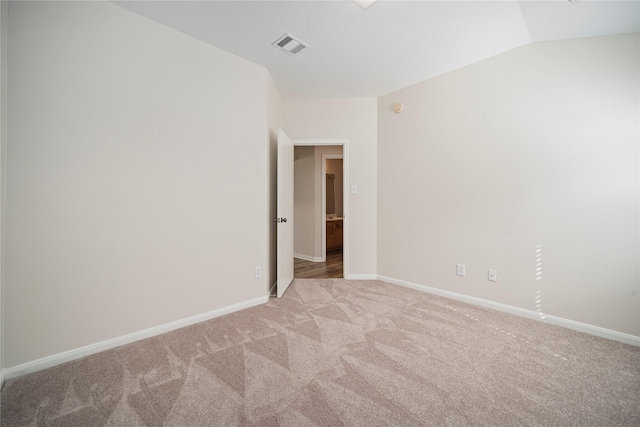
(289, 44)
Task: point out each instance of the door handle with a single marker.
(278, 220)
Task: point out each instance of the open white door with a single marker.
(284, 214)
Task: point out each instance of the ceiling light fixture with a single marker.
(289, 44)
(365, 4)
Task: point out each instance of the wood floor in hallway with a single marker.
(333, 268)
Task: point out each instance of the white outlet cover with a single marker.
(460, 269)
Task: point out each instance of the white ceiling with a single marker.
(367, 53)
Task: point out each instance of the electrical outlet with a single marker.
(493, 275)
(460, 269)
(257, 272)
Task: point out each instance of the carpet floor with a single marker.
(343, 353)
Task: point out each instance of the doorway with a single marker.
(320, 221)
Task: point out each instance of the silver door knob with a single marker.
(279, 220)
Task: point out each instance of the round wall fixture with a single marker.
(398, 107)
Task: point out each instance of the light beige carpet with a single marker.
(343, 353)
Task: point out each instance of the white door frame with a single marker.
(345, 199)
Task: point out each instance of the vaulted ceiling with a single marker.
(357, 52)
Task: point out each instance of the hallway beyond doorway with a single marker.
(333, 268)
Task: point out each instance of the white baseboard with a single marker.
(57, 359)
(362, 277)
(272, 290)
(559, 321)
(308, 258)
(67, 356)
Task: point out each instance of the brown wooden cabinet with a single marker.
(334, 234)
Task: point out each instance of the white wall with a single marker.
(137, 172)
(355, 120)
(537, 146)
(304, 203)
(275, 120)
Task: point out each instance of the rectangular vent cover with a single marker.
(290, 44)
